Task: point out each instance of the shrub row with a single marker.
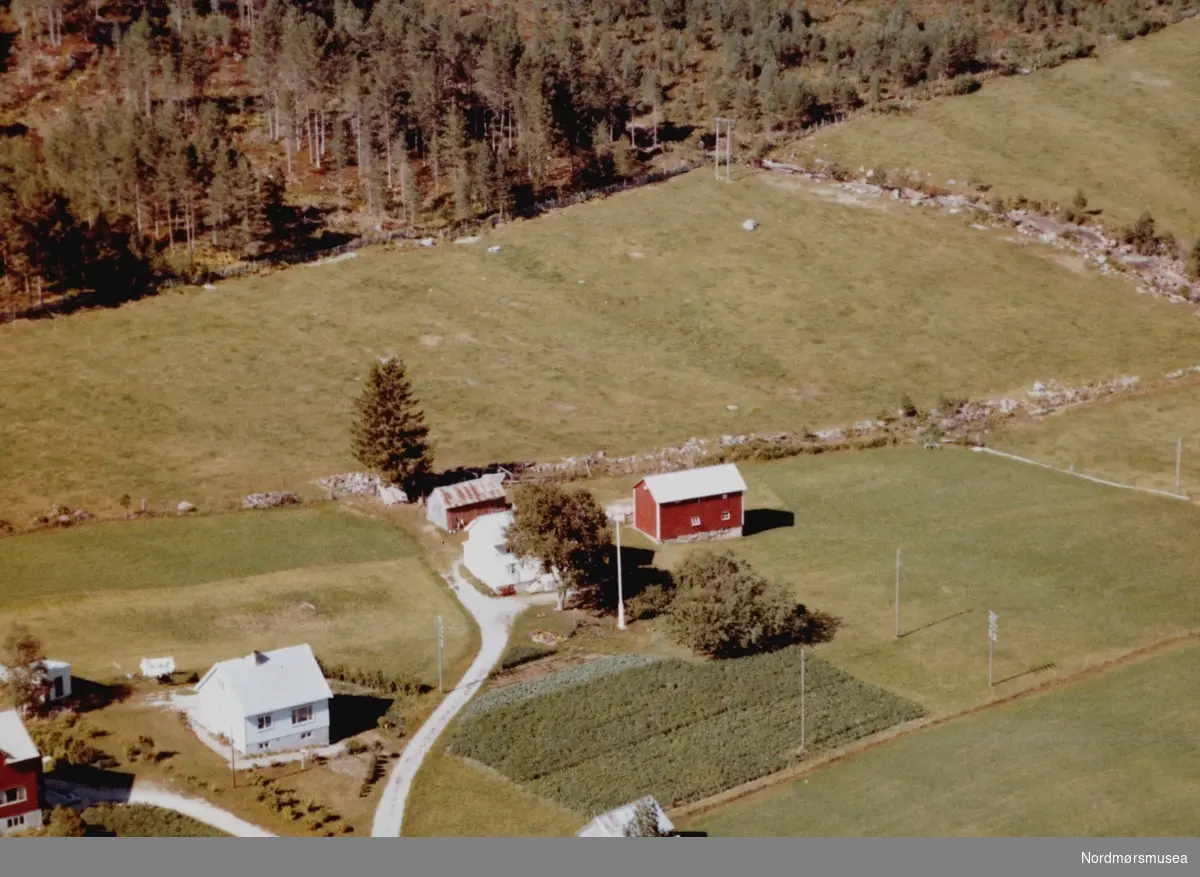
(375, 773)
(563, 679)
(675, 730)
(522, 653)
(376, 680)
(143, 820)
(65, 739)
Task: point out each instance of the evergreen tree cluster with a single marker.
(202, 116)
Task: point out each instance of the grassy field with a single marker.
(1123, 127)
(1076, 571)
(143, 820)
(1130, 439)
(1113, 756)
(622, 324)
(206, 589)
(676, 730)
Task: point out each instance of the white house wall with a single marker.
(283, 734)
(435, 512)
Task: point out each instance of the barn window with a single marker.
(724, 496)
(264, 723)
(695, 521)
(725, 516)
(302, 714)
(14, 796)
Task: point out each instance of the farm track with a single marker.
(884, 738)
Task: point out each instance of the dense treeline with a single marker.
(197, 121)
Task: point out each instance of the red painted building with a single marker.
(703, 503)
(456, 505)
(20, 777)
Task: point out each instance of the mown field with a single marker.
(1113, 756)
(672, 729)
(143, 820)
(622, 325)
(206, 589)
(1131, 440)
(1076, 571)
(1123, 127)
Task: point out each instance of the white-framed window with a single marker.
(14, 821)
(264, 722)
(302, 714)
(725, 516)
(724, 496)
(695, 521)
(512, 569)
(12, 796)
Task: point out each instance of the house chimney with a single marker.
(259, 657)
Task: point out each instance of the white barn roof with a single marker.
(15, 742)
(616, 823)
(264, 682)
(695, 483)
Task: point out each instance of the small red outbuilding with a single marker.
(694, 504)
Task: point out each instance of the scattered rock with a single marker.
(749, 225)
(731, 408)
(354, 483)
(472, 239)
(427, 242)
(184, 507)
(209, 287)
(494, 249)
(392, 495)
(269, 500)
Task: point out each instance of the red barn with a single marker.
(694, 504)
(456, 505)
(20, 777)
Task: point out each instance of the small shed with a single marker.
(157, 668)
(55, 674)
(705, 503)
(619, 822)
(454, 506)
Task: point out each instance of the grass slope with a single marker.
(204, 589)
(675, 730)
(1122, 127)
(825, 314)
(1130, 439)
(1110, 757)
(1076, 571)
(177, 552)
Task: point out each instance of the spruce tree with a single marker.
(390, 435)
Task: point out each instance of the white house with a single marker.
(486, 558)
(57, 676)
(267, 701)
(617, 823)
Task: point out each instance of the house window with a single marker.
(264, 723)
(302, 714)
(725, 516)
(512, 569)
(695, 521)
(262, 746)
(14, 821)
(13, 796)
(306, 735)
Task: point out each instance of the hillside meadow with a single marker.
(622, 325)
(1122, 127)
(207, 589)
(1112, 756)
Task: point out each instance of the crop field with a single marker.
(622, 324)
(1076, 571)
(675, 730)
(1123, 127)
(206, 589)
(1113, 756)
(1132, 440)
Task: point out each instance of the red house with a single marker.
(694, 504)
(20, 777)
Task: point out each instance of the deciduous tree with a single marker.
(24, 684)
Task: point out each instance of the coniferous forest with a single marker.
(145, 141)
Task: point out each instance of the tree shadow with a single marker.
(87, 695)
(815, 627)
(935, 623)
(116, 785)
(762, 520)
(1040, 668)
(352, 714)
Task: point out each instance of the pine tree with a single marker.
(390, 435)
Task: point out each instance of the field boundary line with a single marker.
(1091, 478)
(908, 729)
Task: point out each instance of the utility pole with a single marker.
(1178, 464)
(620, 583)
(441, 649)
(993, 618)
(232, 760)
(802, 716)
(726, 153)
(897, 593)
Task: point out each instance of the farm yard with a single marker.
(1111, 756)
(548, 348)
(1122, 127)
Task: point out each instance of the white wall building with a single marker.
(617, 823)
(57, 675)
(267, 701)
(485, 557)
